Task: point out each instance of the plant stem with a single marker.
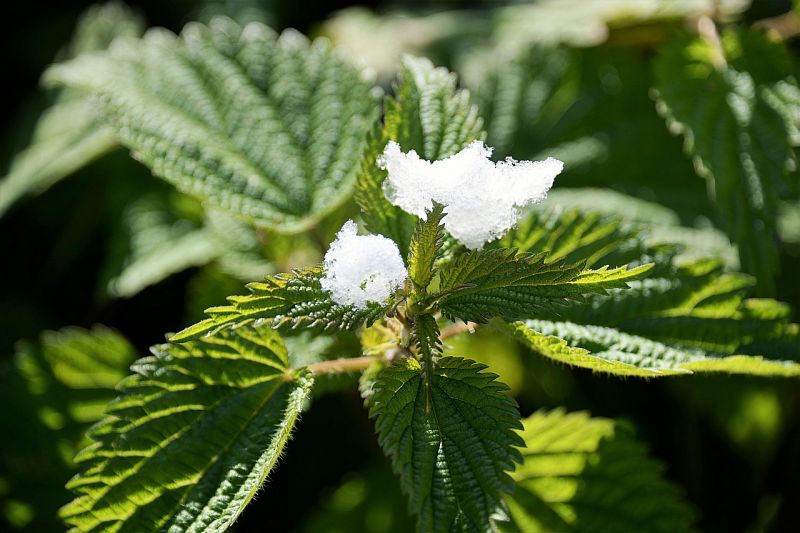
(708, 31)
(356, 364)
(457, 329)
(338, 366)
(786, 26)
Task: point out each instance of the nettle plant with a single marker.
(285, 136)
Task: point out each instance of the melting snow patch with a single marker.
(360, 269)
(482, 199)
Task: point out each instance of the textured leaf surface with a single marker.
(693, 319)
(154, 242)
(595, 212)
(270, 128)
(590, 474)
(685, 316)
(738, 115)
(426, 337)
(576, 235)
(521, 101)
(695, 304)
(425, 247)
(427, 114)
(240, 249)
(70, 133)
(450, 438)
(551, 101)
(196, 431)
(479, 285)
(294, 300)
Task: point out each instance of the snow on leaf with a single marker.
(482, 198)
(360, 269)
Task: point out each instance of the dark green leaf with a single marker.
(576, 235)
(294, 300)
(425, 247)
(479, 285)
(450, 437)
(426, 338)
(692, 318)
(631, 222)
(521, 99)
(736, 107)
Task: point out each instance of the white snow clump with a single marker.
(482, 199)
(360, 269)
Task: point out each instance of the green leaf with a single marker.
(429, 115)
(697, 305)
(71, 374)
(60, 386)
(270, 128)
(154, 241)
(99, 25)
(591, 474)
(450, 437)
(615, 222)
(425, 247)
(545, 101)
(610, 203)
(736, 107)
(294, 300)
(387, 36)
(76, 358)
(68, 136)
(479, 285)
(242, 11)
(686, 316)
(198, 428)
(70, 133)
(693, 319)
(576, 235)
(523, 99)
(426, 338)
(240, 248)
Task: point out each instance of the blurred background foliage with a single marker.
(585, 81)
